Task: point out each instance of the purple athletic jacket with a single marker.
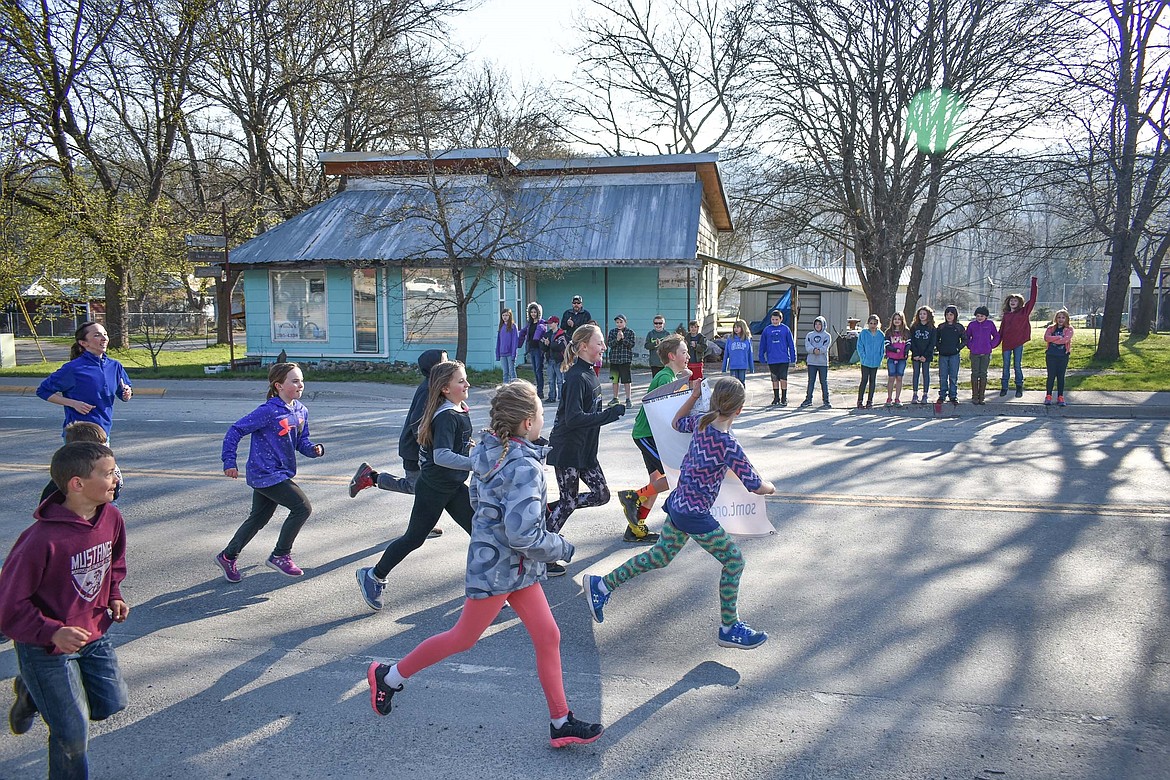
(982, 337)
(278, 433)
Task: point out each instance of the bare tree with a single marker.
(891, 115)
(664, 76)
(1118, 165)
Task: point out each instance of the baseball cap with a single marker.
(576, 299)
(617, 317)
(554, 319)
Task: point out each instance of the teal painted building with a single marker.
(370, 273)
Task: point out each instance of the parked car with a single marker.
(425, 285)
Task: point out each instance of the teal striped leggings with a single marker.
(716, 542)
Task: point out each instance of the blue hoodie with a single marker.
(95, 380)
(737, 354)
(776, 345)
(278, 431)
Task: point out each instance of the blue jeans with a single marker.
(740, 374)
(556, 379)
(508, 363)
(1017, 355)
(813, 373)
(923, 370)
(948, 376)
(536, 358)
(70, 691)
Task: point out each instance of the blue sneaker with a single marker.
(371, 587)
(741, 635)
(597, 597)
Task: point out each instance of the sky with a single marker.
(527, 37)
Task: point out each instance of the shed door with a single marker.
(810, 309)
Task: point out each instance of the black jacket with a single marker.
(580, 416)
(407, 444)
(923, 341)
(950, 338)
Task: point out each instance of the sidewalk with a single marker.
(842, 386)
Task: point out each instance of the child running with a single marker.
(871, 347)
(60, 589)
(83, 430)
(712, 452)
(672, 351)
(737, 352)
(576, 431)
(366, 477)
(444, 437)
(778, 350)
(897, 350)
(279, 430)
(922, 343)
(1058, 336)
(951, 337)
(505, 563)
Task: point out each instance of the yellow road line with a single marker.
(1156, 511)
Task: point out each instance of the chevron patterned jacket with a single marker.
(711, 454)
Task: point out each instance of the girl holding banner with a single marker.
(713, 451)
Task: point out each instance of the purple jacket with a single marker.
(507, 340)
(278, 434)
(982, 337)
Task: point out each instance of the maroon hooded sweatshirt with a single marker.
(1016, 327)
(62, 571)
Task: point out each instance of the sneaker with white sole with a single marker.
(362, 479)
(556, 569)
(742, 636)
(597, 597)
(574, 732)
(231, 572)
(380, 693)
(284, 564)
(371, 587)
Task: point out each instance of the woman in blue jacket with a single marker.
(737, 352)
(279, 430)
(88, 384)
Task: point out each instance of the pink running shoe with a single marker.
(284, 564)
(230, 572)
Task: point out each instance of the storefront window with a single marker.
(365, 310)
(299, 305)
(428, 305)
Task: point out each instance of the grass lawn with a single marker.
(1144, 363)
(176, 364)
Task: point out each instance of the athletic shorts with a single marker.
(620, 373)
(649, 451)
(696, 370)
(779, 371)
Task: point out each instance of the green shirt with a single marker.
(642, 425)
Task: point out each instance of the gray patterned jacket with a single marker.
(510, 548)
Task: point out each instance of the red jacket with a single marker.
(1016, 328)
(62, 571)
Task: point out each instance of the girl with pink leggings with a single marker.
(506, 562)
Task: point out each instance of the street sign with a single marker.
(208, 272)
(204, 256)
(213, 242)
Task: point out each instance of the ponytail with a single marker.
(440, 376)
(276, 375)
(75, 349)
(581, 335)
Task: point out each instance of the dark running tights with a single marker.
(264, 503)
(569, 481)
(430, 499)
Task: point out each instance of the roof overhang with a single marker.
(747, 269)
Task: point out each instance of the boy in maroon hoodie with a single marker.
(59, 592)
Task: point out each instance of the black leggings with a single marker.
(569, 481)
(868, 377)
(430, 499)
(1056, 365)
(264, 503)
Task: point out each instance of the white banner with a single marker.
(739, 511)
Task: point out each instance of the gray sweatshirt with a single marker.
(816, 344)
(510, 548)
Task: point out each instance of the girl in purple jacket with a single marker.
(279, 430)
(507, 341)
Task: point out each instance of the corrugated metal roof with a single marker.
(619, 223)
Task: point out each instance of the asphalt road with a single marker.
(946, 598)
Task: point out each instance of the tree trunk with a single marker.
(117, 323)
(461, 305)
(1108, 345)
